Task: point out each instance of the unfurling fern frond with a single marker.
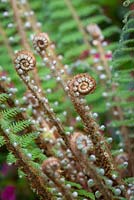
(48, 126)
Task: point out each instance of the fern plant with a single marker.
(68, 161)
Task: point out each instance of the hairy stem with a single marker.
(22, 33)
(5, 40)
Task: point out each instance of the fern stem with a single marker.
(46, 108)
(79, 86)
(47, 54)
(90, 124)
(29, 18)
(19, 24)
(103, 59)
(97, 35)
(5, 40)
(99, 183)
(22, 33)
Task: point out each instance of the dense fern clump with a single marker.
(66, 98)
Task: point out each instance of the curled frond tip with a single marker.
(24, 60)
(82, 84)
(40, 42)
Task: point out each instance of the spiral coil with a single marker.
(25, 61)
(82, 84)
(40, 42)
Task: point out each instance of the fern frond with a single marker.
(17, 127)
(27, 139)
(11, 158)
(10, 113)
(2, 141)
(3, 97)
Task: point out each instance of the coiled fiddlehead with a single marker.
(24, 61)
(40, 42)
(51, 167)
(79, 86)
(83, 84)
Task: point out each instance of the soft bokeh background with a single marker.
(12, 187)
